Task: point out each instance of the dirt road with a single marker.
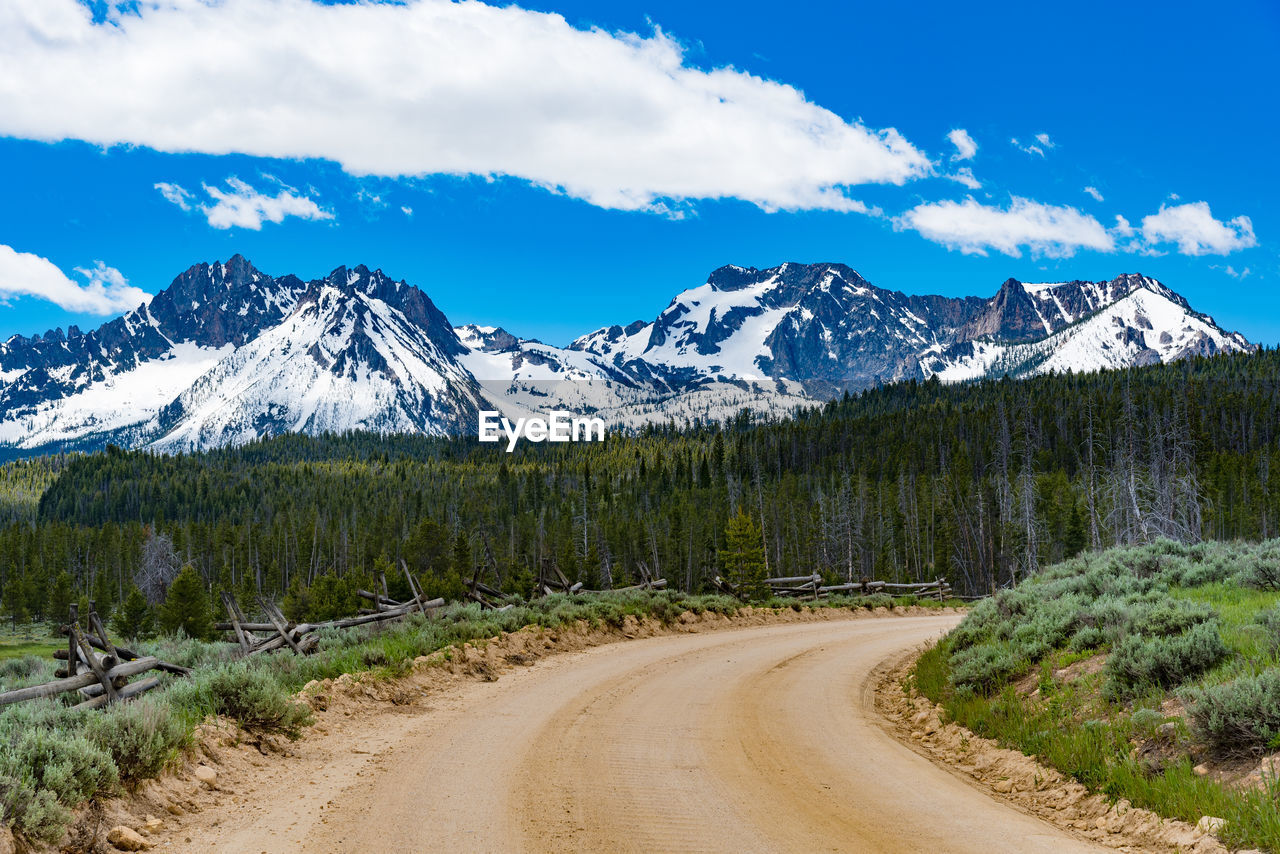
(760, 739)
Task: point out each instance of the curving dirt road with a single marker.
(760, 739)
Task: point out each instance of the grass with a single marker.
(31, 640)
(1237, 608)
(1186, 623)
(56, 758)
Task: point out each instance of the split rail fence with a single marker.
(96, 668)
(811, 587)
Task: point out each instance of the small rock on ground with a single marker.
(1210, 824)
(126, 839)
(208, 776)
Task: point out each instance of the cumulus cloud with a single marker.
(105, 291)
(974, 228)
(964, 175)
(1093, 191)
(406, 210)
(1195, 231)
(240, 205)
(427, 87)
(965, 146)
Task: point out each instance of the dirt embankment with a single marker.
(1024, 782)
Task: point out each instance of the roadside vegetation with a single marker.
(1148, 673)
(56, 758)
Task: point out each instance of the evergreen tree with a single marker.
(133, 618)
(15, 600)
(1075, 538)
(186, 606)
(742, 558)
(61, 596)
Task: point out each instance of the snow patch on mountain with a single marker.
(121, 400)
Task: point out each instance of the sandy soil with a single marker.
(744, 739)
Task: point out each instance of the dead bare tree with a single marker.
(158, 567)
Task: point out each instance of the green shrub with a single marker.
(1138, 663)
(1269, 620)
(985, 666)
(256, 698)
(1241, 716)
(142, 737)
(48, 765)
(1260, 568)
(1170, 617)
(27, 670)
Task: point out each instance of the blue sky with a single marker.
(553, 177)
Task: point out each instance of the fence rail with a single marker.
(94, 667)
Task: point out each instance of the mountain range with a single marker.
(227, 354)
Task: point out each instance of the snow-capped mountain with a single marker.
(228, 353)
(358, 352)
(829, 329)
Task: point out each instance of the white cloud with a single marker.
(1093, 191)
(1195, 231)
(175, 194)
(964, 175)
(406, 210)
(1033, 148)
(1233, 272)
(370, 199)
(105, 291)
(244, 207)
(425, 87)
(974, 228)
(965, 146)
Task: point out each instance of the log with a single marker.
(382, 601)
(61, 655)
(73, 651)
(241, 637)
(86, 653)
(131, 690)
(481, 587)
(277, 619)
(794, 580)
(72, 683)
(247, 627)
(96, 625)
(659, 584)
(413, 586)
(921, 586)
(576, 588)
(130, 655)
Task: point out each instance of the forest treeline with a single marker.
(980, 483)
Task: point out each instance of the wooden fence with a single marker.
(95, 668)
(811, 587)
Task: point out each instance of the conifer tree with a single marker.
(60, 596)
(15, 600)
(742, 558)
(133, 618)
(186, 606)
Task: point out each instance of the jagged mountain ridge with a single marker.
(228, 353)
